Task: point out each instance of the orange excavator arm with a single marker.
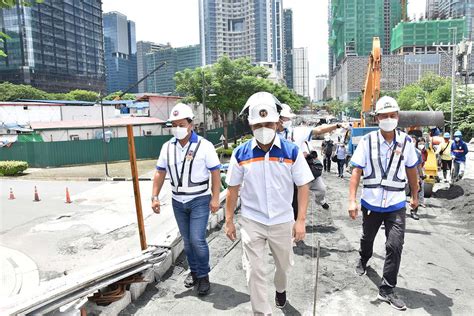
(371, 91)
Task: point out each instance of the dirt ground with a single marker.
(436, 274)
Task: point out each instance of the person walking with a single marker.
(284, 126)
(317, 185)
(422, 155)
(341, 154)
(387, 159)
(327, 148)
(190, 160)
(459, 151)
(444, 152)
(264, 169)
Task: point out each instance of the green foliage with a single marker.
(224, 152)
(12, 92)
(12, 167)
(411, 97)
(335, 107)
(126, 96)
(83, 95)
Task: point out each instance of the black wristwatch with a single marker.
(338, 125)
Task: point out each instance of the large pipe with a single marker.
(421, 118)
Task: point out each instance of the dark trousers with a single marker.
(295, 201)
(394, 232)
(340, 166)
(327, 163)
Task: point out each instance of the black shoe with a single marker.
(190, 280)
(361, 267)
(203, 286)
(414, 215)
(325, 206)
(393, 300)
(280, 299)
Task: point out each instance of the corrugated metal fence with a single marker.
(55, 154)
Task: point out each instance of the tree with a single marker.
(126, 96)
(13, 92)
(82, 95)
(231, 82)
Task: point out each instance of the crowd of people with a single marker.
(275, 172)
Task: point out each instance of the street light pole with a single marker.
(204, 103)
(104, 145)
(453, 80)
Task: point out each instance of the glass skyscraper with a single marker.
(120, 52)
(56, 45)
(288, 47)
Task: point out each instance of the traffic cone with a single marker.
(68, 197)
(37, 199)
(12, 196)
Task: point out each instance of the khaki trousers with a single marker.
(279, 238)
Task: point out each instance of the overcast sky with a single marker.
(177, 22)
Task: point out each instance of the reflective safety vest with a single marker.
(388, 179)
(181, 181)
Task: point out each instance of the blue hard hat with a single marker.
(446, 135)
(458, 133)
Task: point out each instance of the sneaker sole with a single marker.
(383, 299)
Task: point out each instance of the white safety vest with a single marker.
(181, 181)
(388, 179)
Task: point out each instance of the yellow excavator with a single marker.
(411, 121)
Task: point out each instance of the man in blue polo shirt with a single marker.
(264, 170)
(387, 159)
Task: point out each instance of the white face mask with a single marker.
(286, 124)
(421, 147)
(457, 139)
(264, 135)
(388, 125)
(180, 132)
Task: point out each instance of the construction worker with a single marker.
(317, 185)
(444, 151)
(284, 129)
(190, 160)
(421, 153)
(386, 157)
(327, 149)
(341, 154)
(264, 169)
(459, 151)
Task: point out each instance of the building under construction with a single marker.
(354, 23)
(426, 36)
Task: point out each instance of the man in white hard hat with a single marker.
(190, 161)
(264, 170)
(284, 129)
(387, 159)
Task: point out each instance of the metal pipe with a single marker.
(104, 145)
(204, 103)
(453, 80)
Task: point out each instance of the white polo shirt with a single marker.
(378, 199)
(267, 179)
(206, 160)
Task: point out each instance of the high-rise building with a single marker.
(120, 52)
(432, 9)
(241, 28)
(177, 59)
(321, 83)
(288, 47)
(56, 46)
(458, 9)
(354, 23)
(301, 71)
(144, 48)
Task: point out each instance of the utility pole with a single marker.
(104, 144)
(453, 80)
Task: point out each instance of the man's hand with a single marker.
(214, 204)
(155, 205)
(230, 230)
(345, 125)
(414, 202)
(353, 209)
(299, 230)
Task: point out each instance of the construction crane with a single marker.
(404, 10)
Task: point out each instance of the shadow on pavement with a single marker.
(302, 249)
(290, 310)
(222, 297)
(320, 229)
(436, 304)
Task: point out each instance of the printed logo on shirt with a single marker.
(281, 160)
(175, 113)
(263, 113)
(189, 156)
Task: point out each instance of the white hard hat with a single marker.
(286, 111)
(262, 107)
(386, 104)
(181, 111)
